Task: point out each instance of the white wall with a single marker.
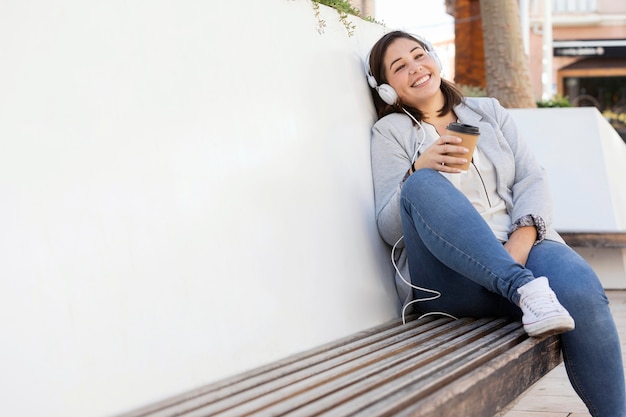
(186, 194)
(585, 160)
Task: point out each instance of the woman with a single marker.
(480, 242)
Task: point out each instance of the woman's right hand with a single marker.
(437, 155)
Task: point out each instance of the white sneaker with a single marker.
(543, 314)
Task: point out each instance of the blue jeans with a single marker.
(451, 249)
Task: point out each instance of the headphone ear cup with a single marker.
(387, 94)
(372, 81)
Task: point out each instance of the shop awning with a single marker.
(608, 48)
(595, 63)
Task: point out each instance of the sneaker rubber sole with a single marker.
(549, 326)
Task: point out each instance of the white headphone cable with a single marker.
(421, 128)
(436, 294)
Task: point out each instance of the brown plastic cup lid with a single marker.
(463, 128)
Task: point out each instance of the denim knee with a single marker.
(426, 183)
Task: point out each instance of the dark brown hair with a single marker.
(452, 96)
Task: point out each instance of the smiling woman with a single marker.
(480, 242)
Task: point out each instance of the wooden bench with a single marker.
(595, 239)
(427, 367)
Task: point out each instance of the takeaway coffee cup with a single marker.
(469, 136)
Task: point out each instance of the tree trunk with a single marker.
(506, 64)
(469, 58)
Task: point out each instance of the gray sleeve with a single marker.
(392, 146)
(531, 220)
(530, 189)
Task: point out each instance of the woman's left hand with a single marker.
(520, 243)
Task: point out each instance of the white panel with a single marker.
(585, 160)
(186, 194)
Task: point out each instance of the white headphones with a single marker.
(385, 91)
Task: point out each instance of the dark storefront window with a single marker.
(600, 83)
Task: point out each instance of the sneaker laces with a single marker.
(540, 303)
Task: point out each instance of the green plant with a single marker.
(321, 23)
(340, 5)
(556, 101)
(344, 8)
(472, 90)
(615, 118)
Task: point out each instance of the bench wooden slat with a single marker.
(414, 375)
(320, 376)
(299, 360)
(358, 379)
(387, 332)
(490, 388)
(287, 378)
(383, 370)
(595, 240)
(477, 354)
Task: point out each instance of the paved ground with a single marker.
(553, 396)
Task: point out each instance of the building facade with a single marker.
(588, 54)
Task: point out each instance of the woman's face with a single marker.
(411, 72)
